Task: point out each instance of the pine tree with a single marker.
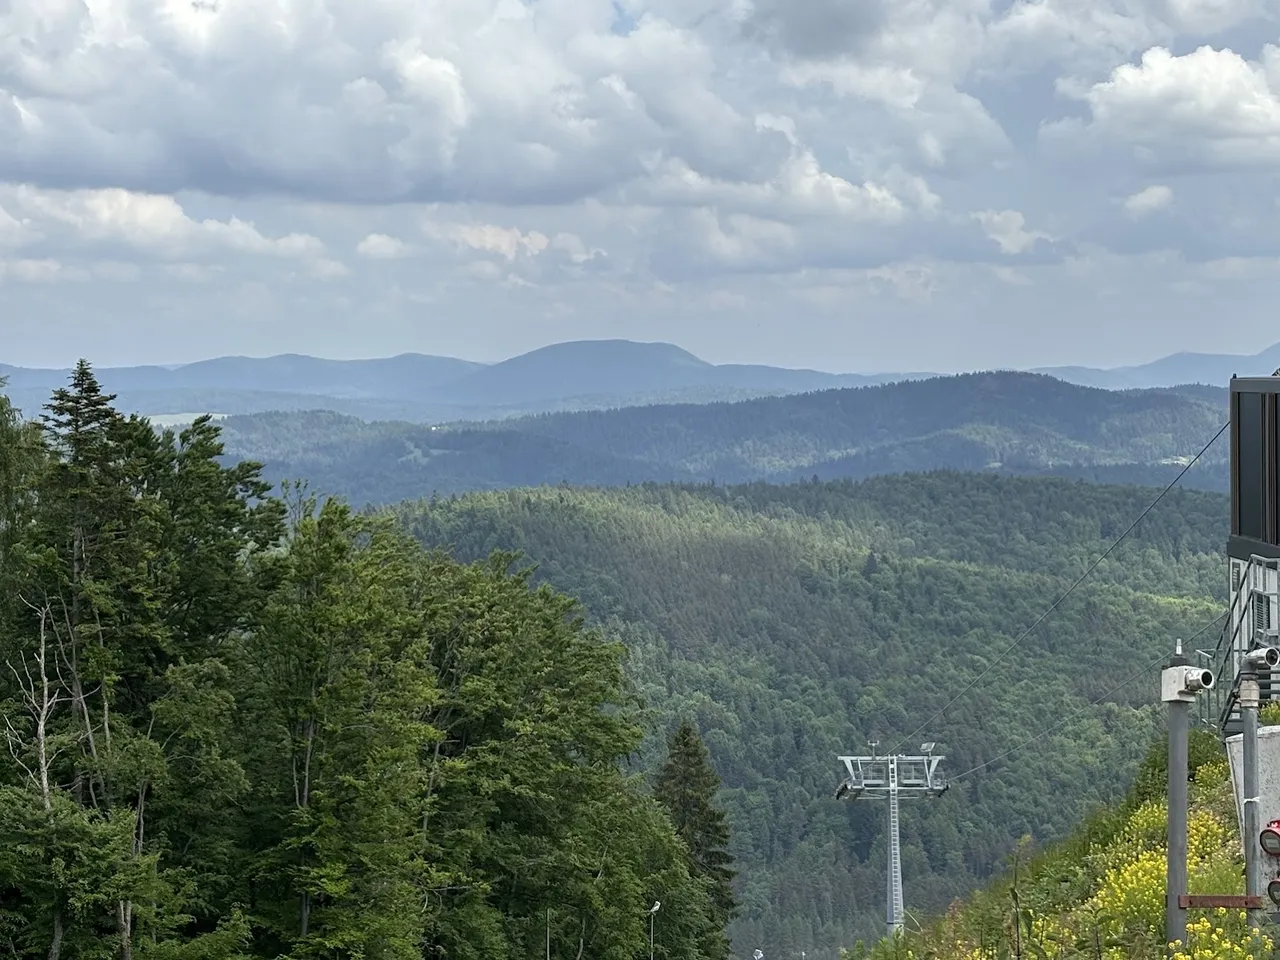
(687, 786)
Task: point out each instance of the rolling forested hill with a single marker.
(998, 422)
(795, 623)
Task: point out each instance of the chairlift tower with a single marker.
(892, 778)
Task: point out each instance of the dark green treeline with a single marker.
(242, 726)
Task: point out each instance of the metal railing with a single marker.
(1250, 623)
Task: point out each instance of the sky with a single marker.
(852, 185)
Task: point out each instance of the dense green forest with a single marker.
(994, 422)
(796, 623)
(237, 726)
(241, 725)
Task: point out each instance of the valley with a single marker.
(798, 622)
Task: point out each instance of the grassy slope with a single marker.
(1100, 892)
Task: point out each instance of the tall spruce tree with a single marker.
(686, 786)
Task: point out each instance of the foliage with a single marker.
(686, 786)
(996, 422)
(239, 726)
(1100, 893)
(792, 624)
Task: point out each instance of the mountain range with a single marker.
(1011, 423)
(578, 375)
(585, 374)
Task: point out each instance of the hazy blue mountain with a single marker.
(1013, 423)
(623, 368)
(1179, 368)
(579, 375)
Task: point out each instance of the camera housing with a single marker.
(1267, 657)
(1181, 684)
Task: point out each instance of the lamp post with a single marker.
(653, 912)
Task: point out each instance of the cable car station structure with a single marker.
(1253, 552)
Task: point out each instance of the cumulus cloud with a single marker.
(1148, 200)
(334, 100)
(1008, 229)
(379, 246)
(151, 222)
(1208, 107)
(570, 154)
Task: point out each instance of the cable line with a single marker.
(1093, 566)
(1085, 709)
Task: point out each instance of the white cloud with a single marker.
(507, 242)
(798, 188)
(1008, 229)
(379, 246)
(569, 160)
(151, 222)
(1148, 200)
(1210, 106)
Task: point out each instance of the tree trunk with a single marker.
(55, 948)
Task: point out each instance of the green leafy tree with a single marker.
(115, 704)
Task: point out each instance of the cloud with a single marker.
(1008, 229)
(45, 270)
(507, 242)
(220, 176)
(1148, 200)
(150, 222)
(1207, 108)
(379, 246)
(333, 100)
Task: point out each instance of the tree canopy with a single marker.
(245, 726)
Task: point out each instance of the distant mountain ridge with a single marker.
(583, 374)
(1013, 423)
(1215, 369)
(575, 375)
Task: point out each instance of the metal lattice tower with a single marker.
(892, 778)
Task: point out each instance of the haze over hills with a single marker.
(577, 375)
(1016, 423)
(1179, 368)
(584, 374)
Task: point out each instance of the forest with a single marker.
(796, 623)
(246, 722)
(1010, 423)
(238, 725)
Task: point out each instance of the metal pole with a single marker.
(1249, 742)
(895, 853)
(651, 916)
(1176, 885)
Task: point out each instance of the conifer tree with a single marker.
(686, 786)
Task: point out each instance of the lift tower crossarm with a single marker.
(893, 778)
